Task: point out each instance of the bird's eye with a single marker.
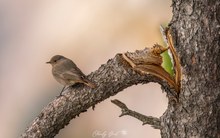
(55, 60)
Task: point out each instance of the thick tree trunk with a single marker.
(196, 29)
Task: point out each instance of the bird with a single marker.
(66, 72)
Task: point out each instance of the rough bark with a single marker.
(196, 28)
(110, 78)
(196, 31)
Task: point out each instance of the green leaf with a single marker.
(167, 63)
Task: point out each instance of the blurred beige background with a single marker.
(88, 32)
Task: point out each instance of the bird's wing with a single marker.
(72, 69)
(69, 72)
(72, 76)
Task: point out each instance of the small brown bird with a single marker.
(67, 73)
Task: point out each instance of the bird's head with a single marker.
(56, 59)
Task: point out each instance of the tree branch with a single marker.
(153, 121)
(110, 78)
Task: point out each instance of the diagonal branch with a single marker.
(111, 78)
(153, 121)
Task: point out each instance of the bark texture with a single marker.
(196, 29)
(110, 78)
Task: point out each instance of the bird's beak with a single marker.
(48, 62)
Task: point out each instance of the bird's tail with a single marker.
(89, 83)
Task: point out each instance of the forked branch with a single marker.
(153, 121)
(111, 78)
